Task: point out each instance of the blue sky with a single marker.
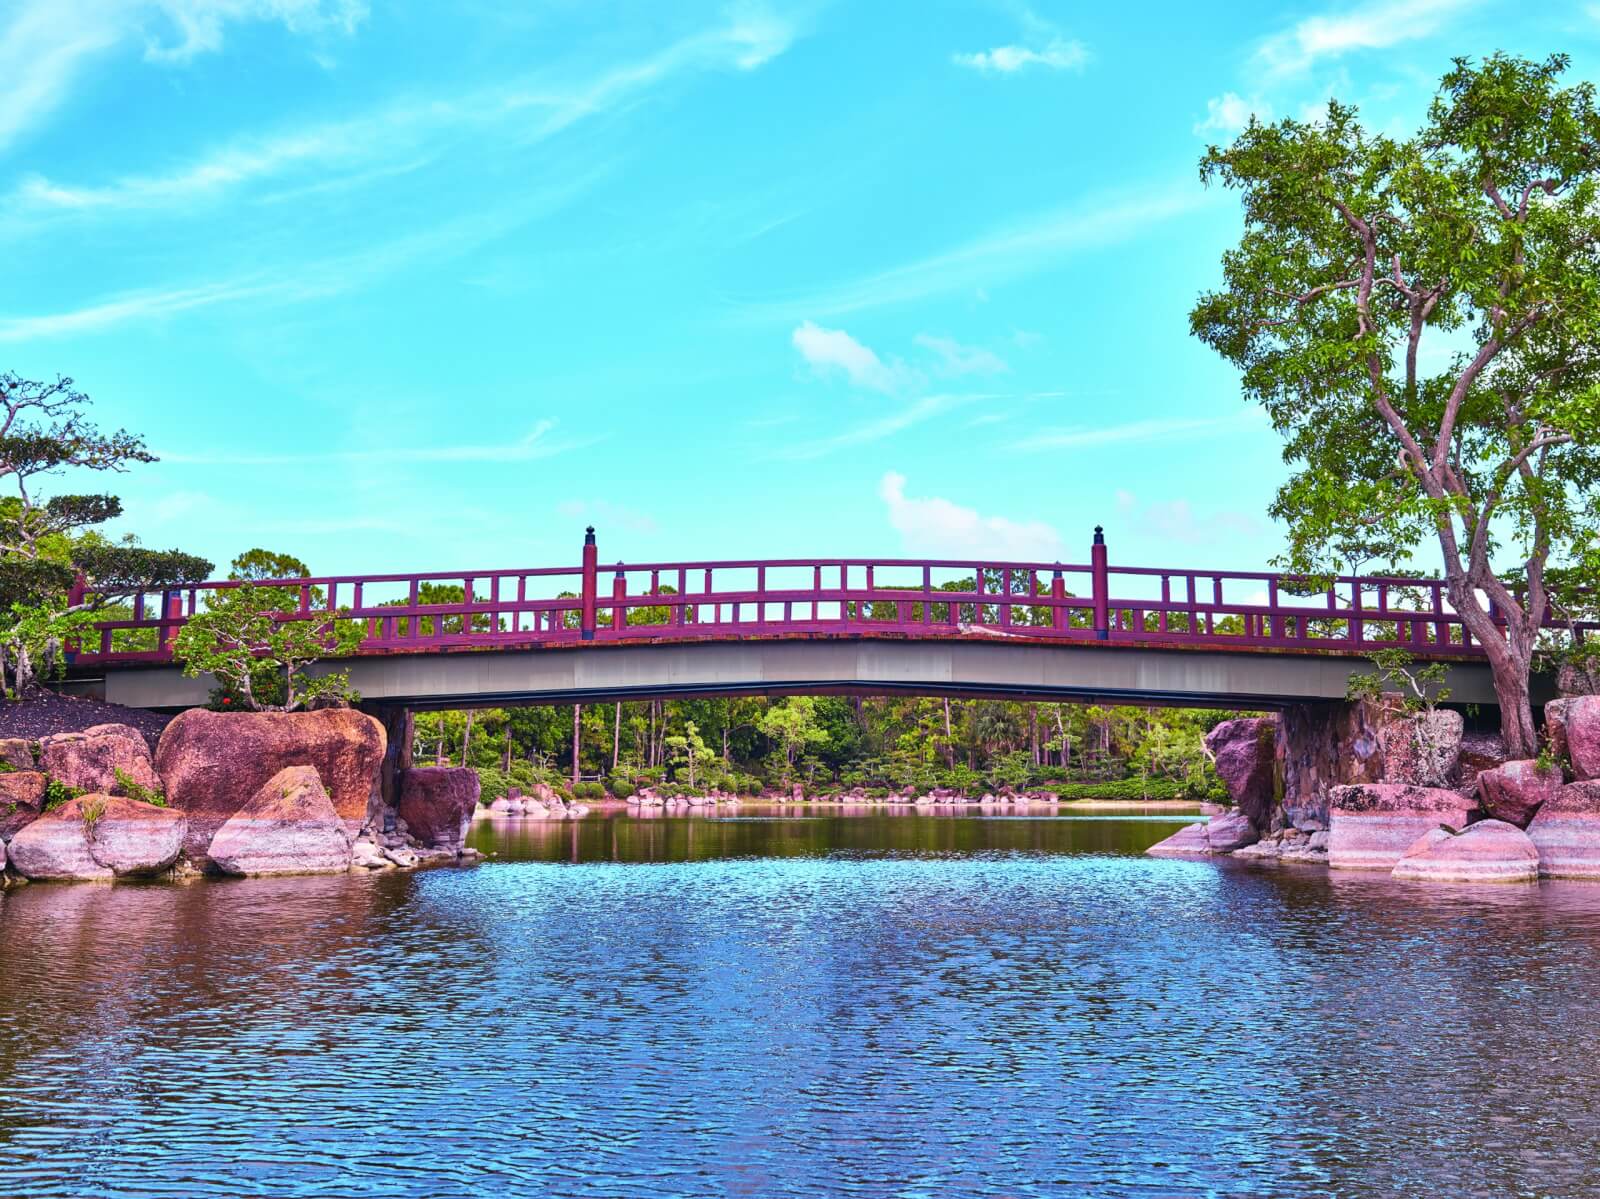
(406, 285)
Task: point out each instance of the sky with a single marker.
(397, 285)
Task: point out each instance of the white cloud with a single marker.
(830, 351)
(1020, 250)
(1176, 521)
(936, 527)
(1375, 25)
(880, 427)
(608, 515)
(47, 44)
(963, 360)
(1059, 54)
(1231, 112)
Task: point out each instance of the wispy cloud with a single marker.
(47, 44)
(957, 359)
(879, 428)
(831, 352)
(537, 443)
(1230, 112)
(1056, 55)
(1141, 430)
(934, 526)
(607, 514)
(1008, 253)
(1375, 25)
(1176, 521)
(414, 129)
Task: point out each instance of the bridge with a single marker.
(1089, 632)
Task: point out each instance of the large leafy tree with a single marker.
(47, 543)
(1418, 317)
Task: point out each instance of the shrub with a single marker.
(621, 788)
(133, 790)
(57, 793)
(588, 790)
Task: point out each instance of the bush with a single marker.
(588, 790)
(130, 788)
(1139, 791)
(621, 788)
(57, 793)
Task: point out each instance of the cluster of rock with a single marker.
(647, 799)
(1409, 793)
(542, 804)
(224, 793)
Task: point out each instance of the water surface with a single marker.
(847, 1005)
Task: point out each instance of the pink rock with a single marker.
(214, 763)
(21, 800)
(98, 837)
(1422, 748)
(1479, 752)
(1188, 841)
(1515, 791)
(16, 753)
(289, 826)
(437, 803)
(1371, 825)
(1230, 831)
(1490, 851)
(1566, 832)
(89, 761)
(1244, 752)
(1574, 729)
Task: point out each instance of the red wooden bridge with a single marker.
(839, 597)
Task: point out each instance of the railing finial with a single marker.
(588, 535)
(1099, 535)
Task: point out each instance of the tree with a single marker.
(1364, 260)
(793, 725)
(47, 544)
(691, 751)
(237, 632)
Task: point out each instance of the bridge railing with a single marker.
(958, 597)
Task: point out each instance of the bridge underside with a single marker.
(1076, 672)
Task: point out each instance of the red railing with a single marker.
(958, 597)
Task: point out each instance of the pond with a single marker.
(821, 1003)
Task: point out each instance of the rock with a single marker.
(1422, 748)
(437, 803)
(17, 753)
(21, 800)
(1574, 732)
(1479, 752)
(1490, 851)
(1373, 824)
(1324, 745)
(89, 761)
(213, 763)
(1188, 841)
(1573, 678)
(505, 805)
(1566, 832)
(1515, 791)
(365, 855)
(1230, 831)
(98, 837)
(403, 857)
(1244, 753)
(1220, 834)
(289, 826)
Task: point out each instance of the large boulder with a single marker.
(1371, 825)
(1573, 726)
(17, 753)
(1480, 751)
(98, 837)
(1515, 791)
(1420, 748)
(1221, 834)
(1244, 753)
(213, 763)
(289, 826)
(437, 803)
(21, 800)
(1566, 832)
(89, 761)
(1322, 746)
(1490, 851)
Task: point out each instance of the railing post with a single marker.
(171, 613)
(1102, 590)
(591, 572)
(1058, 592)
(619, 593)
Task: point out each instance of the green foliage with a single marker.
(91, 811)
(57, 793)
(621, 788)
(589, 790)
(689, 753)
(134, 790)
(1419, 688)
(237, 633)
(793, 725)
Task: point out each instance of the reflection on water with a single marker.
(817, 1008)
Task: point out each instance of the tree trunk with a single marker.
(1510, 654)
(577, 737)
(616, 735)
(466, 735)
(949, 741)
